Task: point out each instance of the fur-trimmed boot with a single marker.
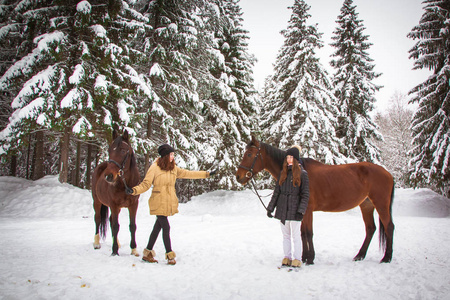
(286, 262)
(170, 256)
(296, 263)
(149, 256)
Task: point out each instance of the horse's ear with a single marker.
(255, 141)
(115, 134)
(125, 136)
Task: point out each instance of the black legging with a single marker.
(161, 223)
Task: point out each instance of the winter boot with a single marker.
(286, 262)
(170, 256)
(296, 263)
(149, 256)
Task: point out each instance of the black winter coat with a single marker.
(291, 201)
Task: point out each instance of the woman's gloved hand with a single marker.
(128, 191)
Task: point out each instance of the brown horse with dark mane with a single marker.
(333, 188)
(109, 181)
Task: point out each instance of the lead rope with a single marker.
(257, 194)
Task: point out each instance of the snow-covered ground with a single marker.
(226, 249)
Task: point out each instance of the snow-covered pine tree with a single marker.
(233, 42)
(22, 22)
(353, 86)
(11, 49)
(430, 163)
(229, 94)
(299, 106)
(80, 79)
(176, 50)
(175, 105)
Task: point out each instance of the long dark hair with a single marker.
(165, 164)
(296, 172)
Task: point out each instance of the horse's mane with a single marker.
(278, 155)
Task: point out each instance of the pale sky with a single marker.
(387, 24)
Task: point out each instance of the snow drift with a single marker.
(226, 248)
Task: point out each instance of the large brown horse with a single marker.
(333, 188)
(108, 190)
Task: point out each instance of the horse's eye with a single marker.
(123, 151)
(249, 155)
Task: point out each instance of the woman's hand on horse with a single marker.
(300, 216)
(269, 214)
(128, 190)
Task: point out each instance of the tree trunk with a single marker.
(78, 165)
(38, 171)
(28, 157)
(64, 168)
(13, 169)
(88, 167)
(149, 132)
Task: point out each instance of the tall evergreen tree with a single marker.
(430, 163)
(353, 86)
(175, 105)
(80, 78)
(231, 99)
(201, 75)
(299, 105)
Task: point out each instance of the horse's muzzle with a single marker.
(241, 179)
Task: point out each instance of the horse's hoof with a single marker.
(114, 254)
(134, 252)
(96, 247)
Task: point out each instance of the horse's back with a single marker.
(362, 170)
(343, 187)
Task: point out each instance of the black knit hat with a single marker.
(294, 152)
(165, 149)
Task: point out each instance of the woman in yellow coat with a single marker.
(163, 202)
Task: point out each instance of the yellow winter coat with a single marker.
(164, 201)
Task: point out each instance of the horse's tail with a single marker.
(103, 221)
(382, 233)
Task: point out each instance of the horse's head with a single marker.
(120, 156)
(251, 163)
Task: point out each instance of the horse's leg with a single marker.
(389, 237)
(386, 234)
(367, 209)
(308, 253)
(383, 205)
(97, 218)
(304, 242)
(114, 220)
(132, 211)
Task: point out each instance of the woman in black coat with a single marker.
(290, 198)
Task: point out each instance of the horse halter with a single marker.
(121, 166)
(249, 173)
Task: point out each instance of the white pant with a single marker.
(292, 236)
